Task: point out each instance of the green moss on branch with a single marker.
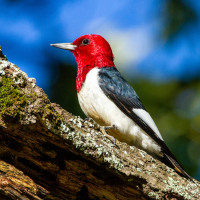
(12, 99)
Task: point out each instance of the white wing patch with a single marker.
(144, 115)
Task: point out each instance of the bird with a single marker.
(106, 97)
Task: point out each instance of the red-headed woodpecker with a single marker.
(105, 96)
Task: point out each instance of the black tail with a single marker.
(171, 161)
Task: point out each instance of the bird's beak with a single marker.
(66, 46)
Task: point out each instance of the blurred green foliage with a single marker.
(63, 90)
(177, 14)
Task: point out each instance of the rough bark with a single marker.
(47, 153)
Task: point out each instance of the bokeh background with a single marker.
(156, 44)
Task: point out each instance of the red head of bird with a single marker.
(90, 51)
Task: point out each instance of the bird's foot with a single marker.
(113, 127)
(105, 128)
(91, 123)
(89, 119)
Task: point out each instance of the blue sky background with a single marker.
(135, 29)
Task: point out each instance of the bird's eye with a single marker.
(85, 42)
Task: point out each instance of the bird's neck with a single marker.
(85, 64)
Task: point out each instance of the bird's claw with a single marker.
(103, 130)
(113, 127)
(89, 119)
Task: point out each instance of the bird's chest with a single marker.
(92, 99)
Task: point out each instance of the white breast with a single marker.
(96, 105)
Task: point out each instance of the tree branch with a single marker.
(66, 157)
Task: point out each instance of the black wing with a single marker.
(116, 88)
